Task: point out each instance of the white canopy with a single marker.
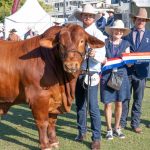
(30, 15)
(142, 3)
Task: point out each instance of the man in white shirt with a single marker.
(93, 63)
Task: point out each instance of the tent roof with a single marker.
(142, 3)
(31, 12)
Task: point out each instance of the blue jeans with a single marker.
(81, 103)
(137, 87)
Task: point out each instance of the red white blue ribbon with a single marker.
(126, 58)
(138, 57)
(112, 63)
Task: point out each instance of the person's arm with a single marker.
(18, 38)
(99, 52)
(103, 23)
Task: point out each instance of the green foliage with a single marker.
(5, 9)
(47, 8)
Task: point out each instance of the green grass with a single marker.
(18, 131)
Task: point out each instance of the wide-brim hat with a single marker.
(142, 13)
(13, 30)
(110, 11)
(118, 24)
(57, 22)
(87, 9)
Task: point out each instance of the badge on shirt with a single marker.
(147, 40)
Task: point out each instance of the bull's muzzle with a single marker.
(71, 67)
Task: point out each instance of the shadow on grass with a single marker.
(21, 117)
(6, 133)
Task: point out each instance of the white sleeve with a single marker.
(100, 52)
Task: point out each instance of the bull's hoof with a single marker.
(47, 149)
(55, 145)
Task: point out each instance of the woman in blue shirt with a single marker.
(115, 46)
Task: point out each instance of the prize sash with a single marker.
(126, 58)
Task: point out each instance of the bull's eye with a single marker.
(82, 41)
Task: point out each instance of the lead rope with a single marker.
(88, 85)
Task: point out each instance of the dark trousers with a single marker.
(137, 88)
(81, 102)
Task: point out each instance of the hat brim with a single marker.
(109, 30)
(134, 17)
(13, 31)
(110, 11)
(56, 22)
(77, 15)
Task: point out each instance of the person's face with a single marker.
(140, 23)
(110, 14)
(117, 33)
(100, 14)
(88, 19)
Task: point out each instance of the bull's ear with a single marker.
(48, 43)
(94, 42)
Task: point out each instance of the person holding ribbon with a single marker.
(139, 39)
(86, 93)
(109, 93)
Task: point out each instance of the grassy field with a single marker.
(18, 131)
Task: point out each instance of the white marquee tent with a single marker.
(30, 15)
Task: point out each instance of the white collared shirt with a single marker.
(95, 63)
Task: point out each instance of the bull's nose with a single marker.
(73, 67)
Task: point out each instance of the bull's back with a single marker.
(12, 69)
(9, 77)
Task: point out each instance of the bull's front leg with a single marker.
(40, 114)
(52, 131)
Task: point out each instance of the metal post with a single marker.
(64, 8)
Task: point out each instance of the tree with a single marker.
(5, 9)
(6, 6)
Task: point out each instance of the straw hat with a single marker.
(87, 9)
(110, 11)
(142, 13)
(118, 24)
(56, 23)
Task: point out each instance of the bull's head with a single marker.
(71, 41)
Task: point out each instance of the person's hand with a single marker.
(92, 53)
(129, 65)
(127, 51)
(104, 61)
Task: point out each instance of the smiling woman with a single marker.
(114, 82)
